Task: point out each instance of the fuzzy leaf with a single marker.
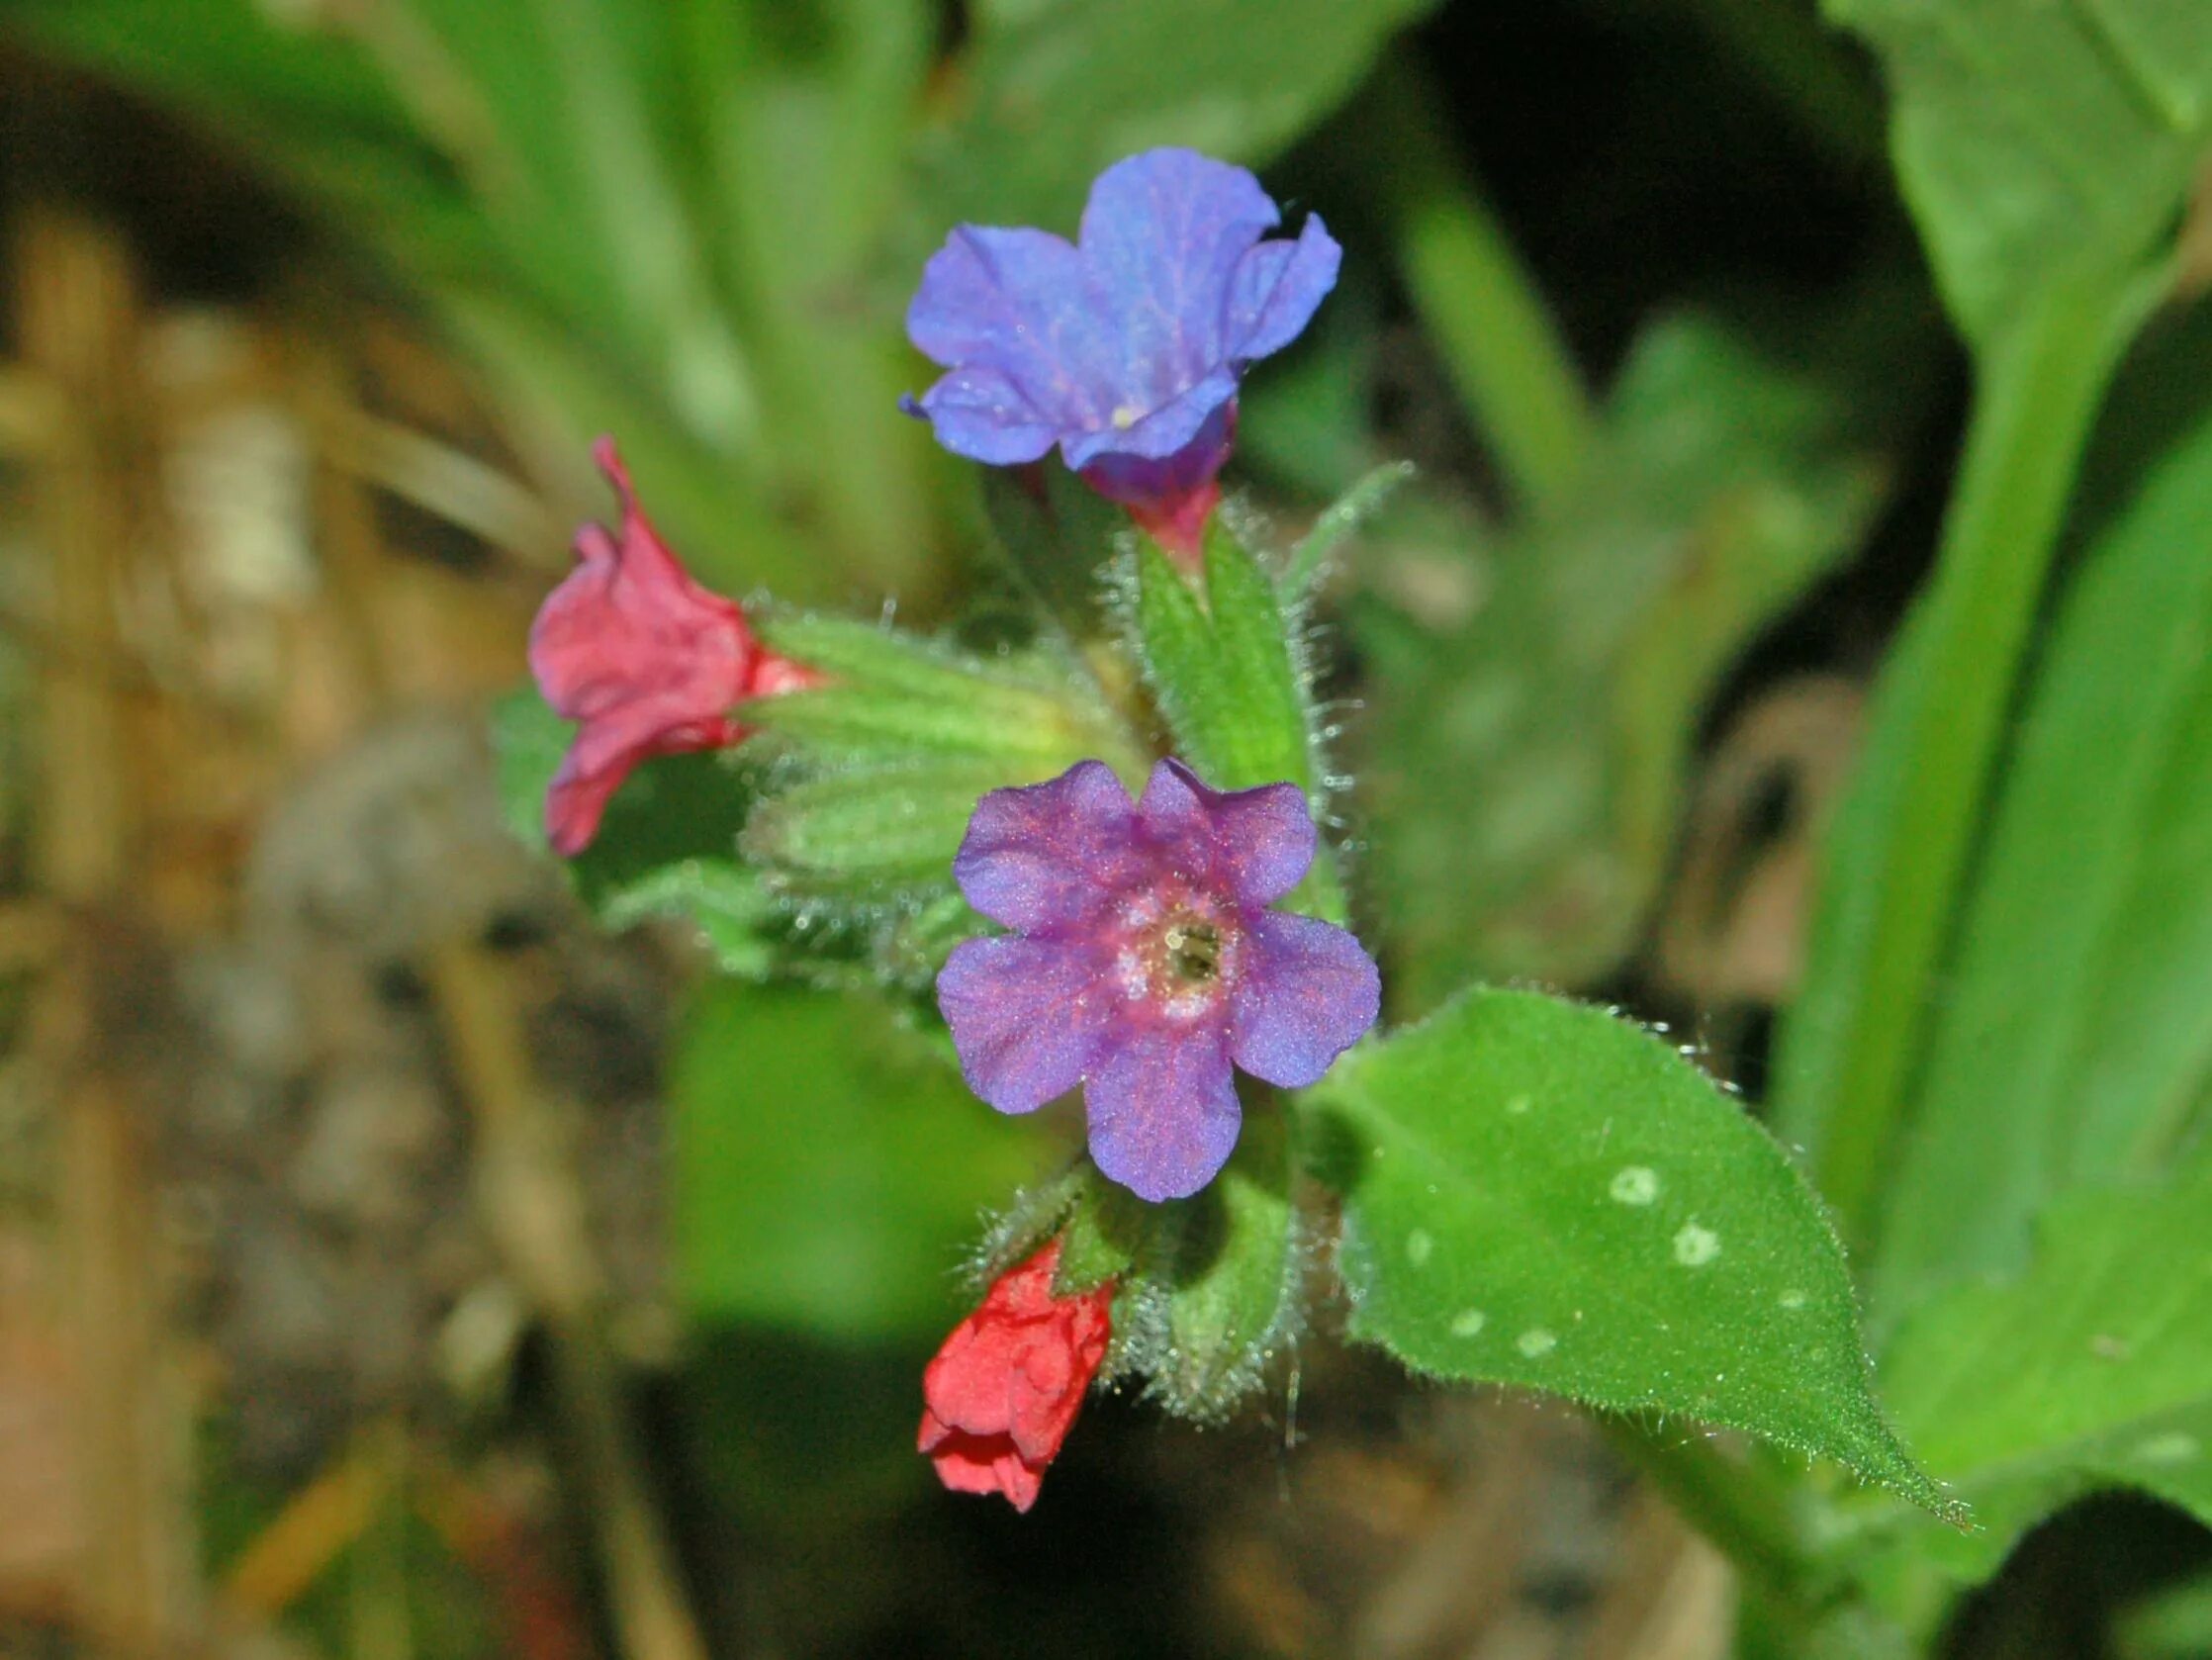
(1538, 1193)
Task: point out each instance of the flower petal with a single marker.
(1188, 439)
(1277, 288)
(1138, 480)
(982, 414)
(968, 1463)
(1028, 1016)
(1263, 841)
(607, 749)
(1046, 855)
(1258, 843)
(1015, 301)
(1162, 1110)
(1162, 237)
(609, 634)
(576, 802)
(1306, 992)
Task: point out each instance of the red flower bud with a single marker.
(646, 660)
(1004, 1390)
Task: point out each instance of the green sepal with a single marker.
(894, 697)
(876, 828)
(1224, 671)
(1102, 1236)
(1339, 522)
(734, 918)
(1227, 676)
(1214, 1291)
(874, 775)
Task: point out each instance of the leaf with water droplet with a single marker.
(1631, 1236)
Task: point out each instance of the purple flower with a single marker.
(1124, 348)
(1145, 961)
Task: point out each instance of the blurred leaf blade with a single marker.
(2045, 157)
(2067, 1051)
(831, 1170)
(1520, 385)
(1528, 767)
(806, 115)
(1899, 851)
(2039, 143)
(1049, 95)
(2089, 1369)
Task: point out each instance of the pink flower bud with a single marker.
(645, 660)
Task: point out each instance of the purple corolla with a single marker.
(1145, 964)
(1124, 347)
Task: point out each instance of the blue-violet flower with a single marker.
(1125, 347)
(1144, 962)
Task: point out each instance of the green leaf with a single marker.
(1526, 766)
(2038, 142)
(1899, 853)
(2171, 1622)
(830, 1167)
(2091, 1368)
(1050, 96)
(2071, 1045)
(1538, 1193)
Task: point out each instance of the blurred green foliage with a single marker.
(830, 1170)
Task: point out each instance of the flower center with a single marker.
(1125, 417)
(1193, 950)
(1177, 953)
